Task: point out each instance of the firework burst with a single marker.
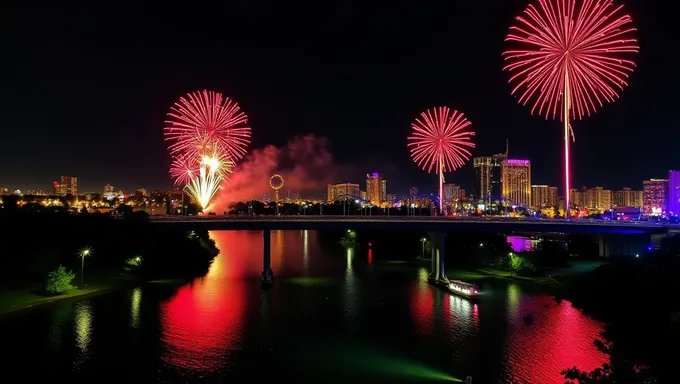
(205, 136)
(207, 118)
(441, 141)
(568, 58)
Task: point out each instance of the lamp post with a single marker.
(83, 253)
(423, 240)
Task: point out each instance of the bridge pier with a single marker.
(267, 274)
(438, 256)
(623, 245)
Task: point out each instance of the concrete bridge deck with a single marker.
(410, 223)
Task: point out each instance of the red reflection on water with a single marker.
(370, 256)
(558, 336)
(446, 308)
(475, 315)
(202, 322)
(422, 305)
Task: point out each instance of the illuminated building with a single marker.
(598, 198)
(516, 181)
(488, 177)
(342, 191)
(451, 192)
(37, 192)
(655, 195)
(373, 188)
(628, 198)
(4, 190)
(363, 195)
(674, 193)
(67, 186)
(543, 196)
(577, 198)
(383, 190)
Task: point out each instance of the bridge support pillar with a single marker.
(267, 274)
(438, 256)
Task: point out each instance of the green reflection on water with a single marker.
(135, 304)
(310, 281)
(357, 360)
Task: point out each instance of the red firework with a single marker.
(441, 140)
(584, 51)
(203, 119)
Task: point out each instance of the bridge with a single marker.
(411, 223)
(625, 238)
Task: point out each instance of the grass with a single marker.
(19, 299)
(554, 278)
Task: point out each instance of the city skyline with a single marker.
(286, 95)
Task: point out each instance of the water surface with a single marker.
(333, 315)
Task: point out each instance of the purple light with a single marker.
(517, 162)
(375, 174)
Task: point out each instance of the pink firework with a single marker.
(570, 55)
(207, 118)
(441, 141)
(441, 137)
(183, 169)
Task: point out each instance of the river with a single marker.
(333, 315)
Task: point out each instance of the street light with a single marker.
(423, 240)
(87, 251)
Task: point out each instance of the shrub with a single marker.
(59, 281)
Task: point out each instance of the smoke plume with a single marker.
(305, 164)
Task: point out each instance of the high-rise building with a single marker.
(598, 198)
(516, 181)
(67, 186)
(674, 193)
(577, 197)
(655, 196)
(543, 196)
(488, 177)
(627, 197)
(343, 191)
(373, 188)
(451, 192)
(383, 190)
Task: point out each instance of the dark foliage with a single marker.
(36, 243)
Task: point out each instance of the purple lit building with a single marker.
(674, 193)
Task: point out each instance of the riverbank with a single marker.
(21, 299)
(553, 281)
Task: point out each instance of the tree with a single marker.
(618, 370)
(59, 280)
(10, 203)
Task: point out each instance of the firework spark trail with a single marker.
(567, 60)
(441, 141)
(205, 136)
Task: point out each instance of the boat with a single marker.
(460, 288)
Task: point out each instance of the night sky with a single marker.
(84, 92)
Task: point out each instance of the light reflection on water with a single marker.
(135, 304)
(201, 324)
(331, 296)
(82, 329)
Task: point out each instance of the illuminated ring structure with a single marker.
(274, 183)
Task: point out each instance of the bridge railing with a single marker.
(463, 219)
